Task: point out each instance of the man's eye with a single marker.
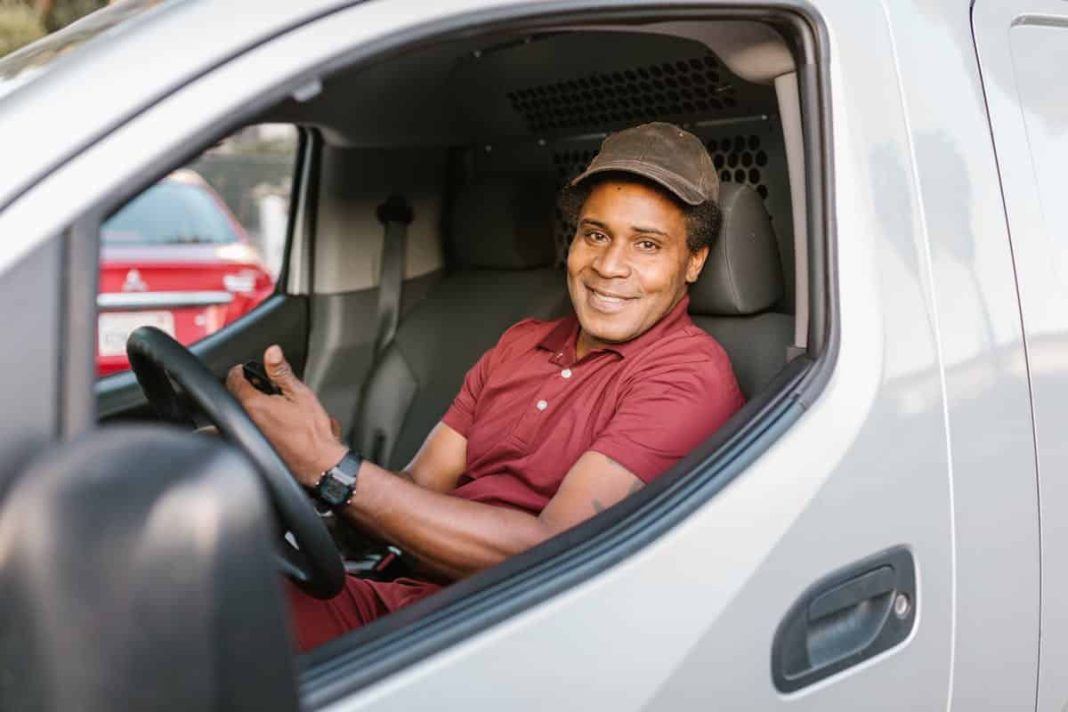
(594, 236)
(648, 245)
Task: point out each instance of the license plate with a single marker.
(113, 329)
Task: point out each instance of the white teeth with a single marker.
(606, 297)
(605, 303)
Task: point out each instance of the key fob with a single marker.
(256, 374)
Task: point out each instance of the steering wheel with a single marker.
(315, 563)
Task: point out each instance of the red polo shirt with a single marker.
(529, 409)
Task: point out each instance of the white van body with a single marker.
(937, 430)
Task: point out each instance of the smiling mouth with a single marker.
(606, 302)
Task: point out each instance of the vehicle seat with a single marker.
(502, 253)
(742, 281)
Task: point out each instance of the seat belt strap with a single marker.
(395, 215)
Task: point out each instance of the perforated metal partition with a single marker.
(634, 94)
(740, 159)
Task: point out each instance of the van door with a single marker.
(773, 591)
(842, 524)
(1023, 53)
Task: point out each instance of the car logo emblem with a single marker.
(133, 282)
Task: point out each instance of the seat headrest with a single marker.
(743, 274)
(504, 222)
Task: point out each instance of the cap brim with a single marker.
(684, 190)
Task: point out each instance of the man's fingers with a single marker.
(279, 370)
(335, 427)
(239, 386)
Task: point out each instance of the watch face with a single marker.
(334, 492)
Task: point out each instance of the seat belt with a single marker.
(395, 215)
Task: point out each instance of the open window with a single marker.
(459, 126)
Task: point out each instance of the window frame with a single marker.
(391, 644)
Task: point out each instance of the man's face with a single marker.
(628, 264)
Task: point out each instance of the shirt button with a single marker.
(566, 373)
(542, 405)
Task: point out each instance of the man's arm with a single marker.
(453, 535)
(459, 537)
(441, 459)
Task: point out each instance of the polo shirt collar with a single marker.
(562, 339)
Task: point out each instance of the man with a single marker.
(560, 419)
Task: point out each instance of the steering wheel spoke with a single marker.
(288, 560)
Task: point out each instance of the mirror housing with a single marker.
(136, 572)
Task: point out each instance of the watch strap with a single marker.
(337, 485)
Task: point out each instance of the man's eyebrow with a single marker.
(634, 228)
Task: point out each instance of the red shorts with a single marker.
(360, 602)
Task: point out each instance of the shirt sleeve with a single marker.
(461, 413)
(666, 413)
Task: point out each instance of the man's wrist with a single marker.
(337, 484)
(329, 456)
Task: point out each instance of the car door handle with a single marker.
(866, 587)
(847, 617)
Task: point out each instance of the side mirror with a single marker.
(136, 572)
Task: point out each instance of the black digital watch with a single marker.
(337, 485)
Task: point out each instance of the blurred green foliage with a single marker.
(23, 21)
(64, 12)
(19, 25)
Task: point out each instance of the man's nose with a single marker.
(612, 261)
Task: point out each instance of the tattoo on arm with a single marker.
(599, 506)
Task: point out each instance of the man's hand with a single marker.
(295, 422)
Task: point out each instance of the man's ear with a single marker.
(695, 263)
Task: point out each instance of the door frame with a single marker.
(341, 668)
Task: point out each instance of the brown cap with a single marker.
(663, 153)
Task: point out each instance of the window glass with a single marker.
(200, 248)
(177, 211)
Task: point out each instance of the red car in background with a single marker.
(176, 258)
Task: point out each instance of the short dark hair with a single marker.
(702, 221)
